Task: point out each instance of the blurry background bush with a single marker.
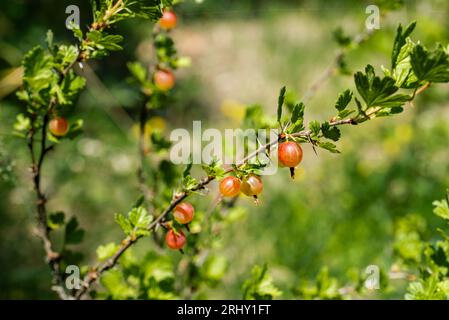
(340, 212)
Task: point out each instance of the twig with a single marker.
(52, 257)
(178, 198)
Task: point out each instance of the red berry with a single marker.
(184, 212)
(59, 127)
(168, 20)
(252, 185)
(175, 241)
(164, 80)
(230, 186)
(289, 154)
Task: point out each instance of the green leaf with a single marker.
(441, 208)
(22, 123)
(343, 100)
(330, 132)
(76, 129)
(159, 142)
(38, 76)
(117, 286)
(280, 103)
(341, 38)
(260, 286)
(139, 218)
(345, 113)
(431, 66)
(124, 223)
(66, 55)
(138, 71)
(70, 88)
(297, 118)
(107, 251)
(298, 112)
(100, 43)
(377, 92)
(56, 220)
(188, 167)
(214, 169)
(403, 72)
(400, 41)
(189, 183)
(315, 127)
(329, 146)
(73, 233)
(77, 31)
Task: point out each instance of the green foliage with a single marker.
(280, 103)
(73, 233)
(341, 37)
(400, 41)
(442, 208)
(408, 244)
(378, 92)
(151, 277)
(136, 223)
(433, 268)
(214, 169)
(104, 252)
(343, 101)
(112, 11)
(56, 220)
(431, 66)
(260, 286)
(324, 287)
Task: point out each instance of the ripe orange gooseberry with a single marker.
(252, 185)
(183, 213)
(164, 80)
(175, 240)
(59, 126)
(168, 20)
(290, 155)
(230, 186)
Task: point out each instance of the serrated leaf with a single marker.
(124, 223)
(214, 169)
(73, 233)
(399, 42)
(158, 141)
(298, 112)
(139, 218)
(189, 183)
(329, 146)
(104, 252)
(431, 66)
(56, 220)
(330, 132)
(441, 209)
(260, 286)
(343, 100)
(281, 99)
(315, 127)
(377, 92)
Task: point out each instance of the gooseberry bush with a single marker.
(53, 79)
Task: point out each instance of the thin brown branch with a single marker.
(52, 257)
(178, 198)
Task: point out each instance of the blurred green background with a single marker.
(340, 212)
